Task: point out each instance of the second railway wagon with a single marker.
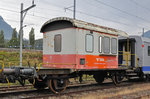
(138, 51)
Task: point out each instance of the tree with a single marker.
(32, 38)
(14, 40)
(2, 42)
(14, 34)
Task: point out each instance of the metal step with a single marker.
(130, 71)
(132, 75)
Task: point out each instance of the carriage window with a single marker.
(100, 44)
(57, 43)
(113, 45)
(89, 43)
(148, 50)
(106, 45)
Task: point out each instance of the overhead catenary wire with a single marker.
(72, 11)
(9, 10)
(19, 12)
(79, 12)
(141, 18)
(140, 5)
(123, 17)
(98, 17)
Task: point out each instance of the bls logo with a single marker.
(100, 59)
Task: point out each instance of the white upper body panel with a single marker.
(79, 37)
(68, 43)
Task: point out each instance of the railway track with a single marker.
(11, 88)
(31, 93)
(77, 90)
(72, 89)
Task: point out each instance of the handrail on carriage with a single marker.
(127, 58)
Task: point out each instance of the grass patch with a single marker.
(11, 58)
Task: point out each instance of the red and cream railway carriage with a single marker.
(72, 47)
(74, 44)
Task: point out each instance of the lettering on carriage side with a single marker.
(100, 59)
(110, 60)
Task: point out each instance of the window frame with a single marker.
(100, 51)
(60, 43)
(92, 43)
(111, 45)
(104, 45)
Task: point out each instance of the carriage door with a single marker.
(126, 52)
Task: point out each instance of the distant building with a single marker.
(146, 34)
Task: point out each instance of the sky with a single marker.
(130, 16)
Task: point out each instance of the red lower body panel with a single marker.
(72, 61)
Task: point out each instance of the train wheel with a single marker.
(57, 86)
(117, 78)
(99, 77)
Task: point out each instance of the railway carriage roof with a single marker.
(84, 25)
